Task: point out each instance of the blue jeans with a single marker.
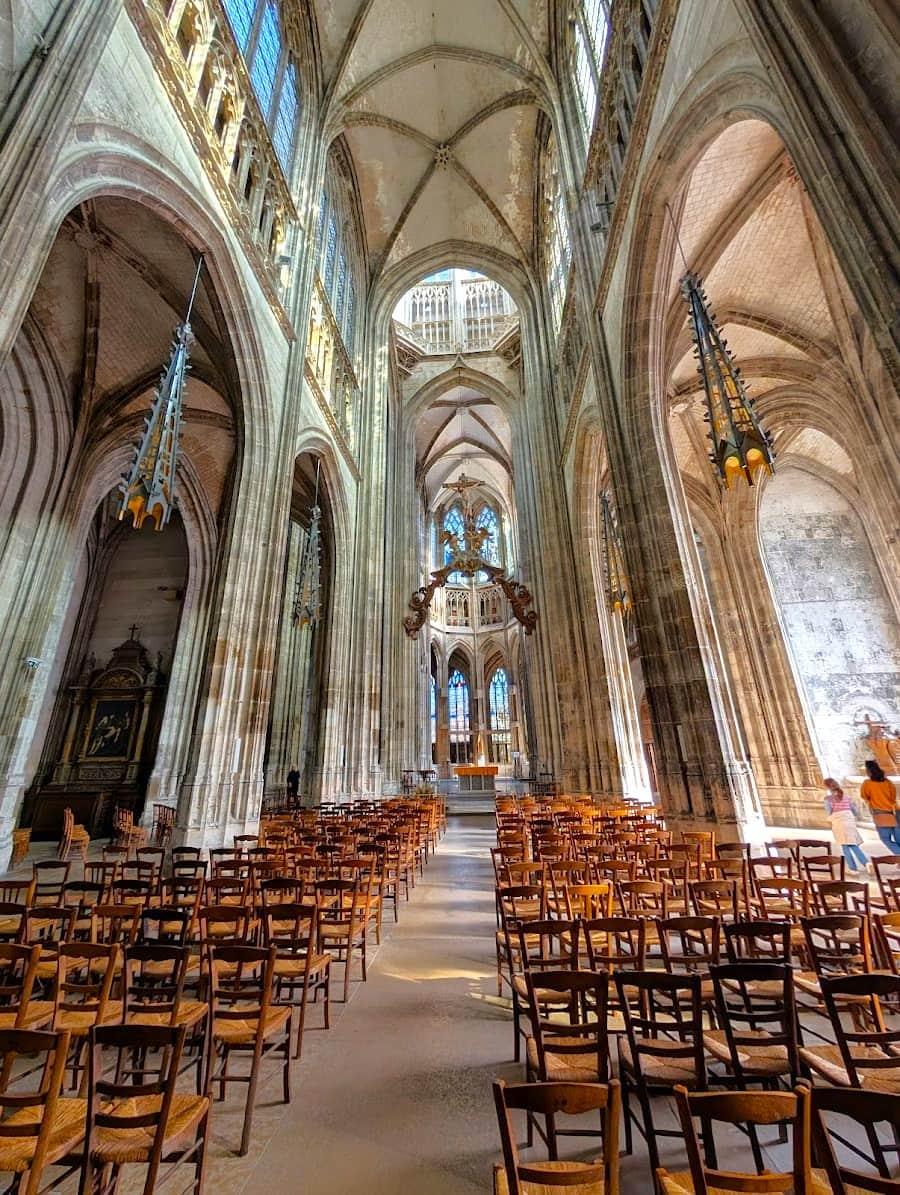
(890, 836)
(855, 855)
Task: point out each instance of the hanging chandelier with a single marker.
(308, 598)
(740, 447)
(148, 491)
(617, 590)
(466, 555)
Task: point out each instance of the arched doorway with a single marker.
(301, 695)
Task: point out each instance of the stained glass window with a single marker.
(257, 31)
(458, 711)
(596, 21)
(286, 120)
(340, 291)
(240, 15)
(349, 314)
(489, 521)
(453, 522)
(330, 254)
(556, 233)
(264, 67)
(432, 708)
(585, 87)
(498, 706)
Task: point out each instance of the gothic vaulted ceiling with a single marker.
(438, 102)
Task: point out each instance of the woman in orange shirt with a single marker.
(880, 795)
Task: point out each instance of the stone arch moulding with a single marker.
(123, 166)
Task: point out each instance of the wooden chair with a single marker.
(246, 1019)
(866, 1053)
(568, 1040)
(21, 844)
(49, 928)
(342, 923)
(74, 837)
(550, 945)
(138, 1118)
(38, 1128)
(691, 946)
(300, 969)
(757, 1041)
(84, 979)
(741, 1108)
(18, 972)
(163, 826)
(153, 993)
(12, 921)
(866, 1109)
(663, 1046)
(125, 832)
(549, 1100)
(50, 877)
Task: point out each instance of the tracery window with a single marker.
(330, 254)
(488, 520)
(557, 247)
(585, 84)
(458, 716)
(498, 706)
(454, 525)
(257, 31)
(340, 292)
(432, 711)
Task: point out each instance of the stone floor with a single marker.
(397, 1096)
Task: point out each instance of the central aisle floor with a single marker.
(397, 1096)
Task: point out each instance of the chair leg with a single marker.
(286, 1068)
(251, 1100)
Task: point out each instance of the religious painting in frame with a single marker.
(111, 728)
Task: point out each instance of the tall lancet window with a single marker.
(498, 704)
(257, 30)
(454, 525)
(458, 711)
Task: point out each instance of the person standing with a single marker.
(880, 795)
(293, 782)
(843, 826)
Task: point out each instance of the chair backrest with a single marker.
(167, 924)
(748, 1108)
(50, 877)
(548, 945)
(867, 1110)
(41, 1100)
(759, 940)
(715, 898)
(18, 968)
(842, 896)
(663, 1019)
(241, 980)
(614, 942)
(868, 1002)
(588, 900)
(754, 998)
(838, 943)
(823, 868)
(644, 898)
(115, 923)
(153, 980)
(12, 921)
(689, 945)
(291, 928)
(574, 1023)
(84, 976)
(17, 891)
(224, 923)
(48, 925)
(552, 1099)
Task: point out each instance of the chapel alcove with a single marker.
(103, 731)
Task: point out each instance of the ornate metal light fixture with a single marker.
(740, 447)
(148, 491)
(308, 598)
(466, 555)
(617, 591)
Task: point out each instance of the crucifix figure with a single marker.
(133, 629)
(462, 485)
